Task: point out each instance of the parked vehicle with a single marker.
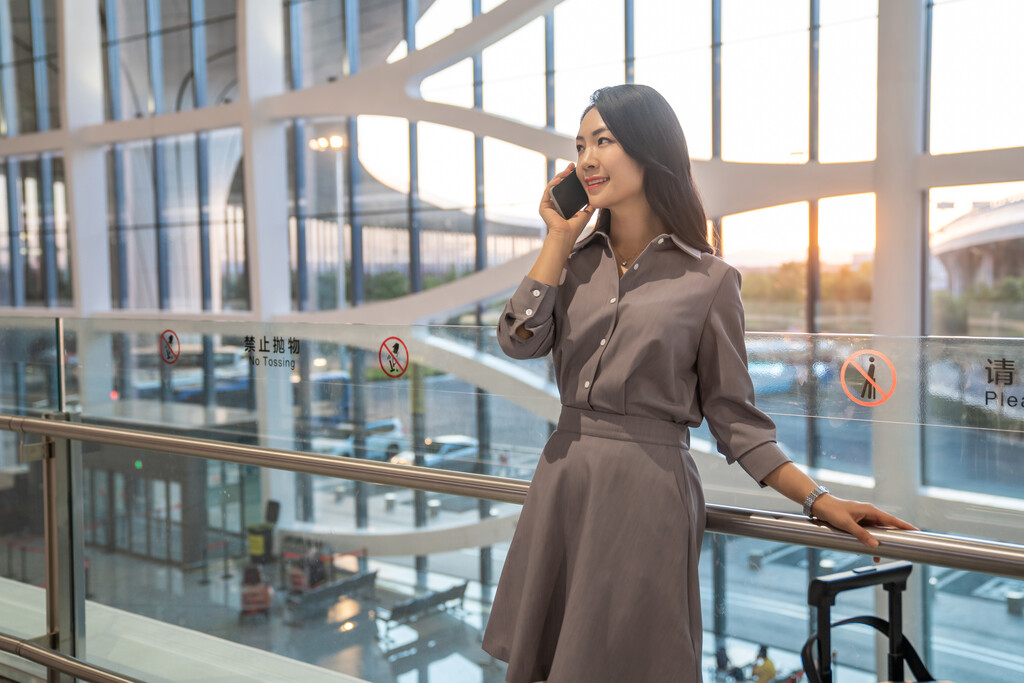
(449, 452)
(384, 440)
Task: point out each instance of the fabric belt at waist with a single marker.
(624, 427)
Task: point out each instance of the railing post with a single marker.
(65, 548)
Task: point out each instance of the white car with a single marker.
(450, 452)
(385, 439)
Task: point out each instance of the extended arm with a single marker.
(847, 515)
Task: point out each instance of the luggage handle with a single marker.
(913, 659)
(822, 594)
(823, 589)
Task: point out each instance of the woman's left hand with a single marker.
(850, 515)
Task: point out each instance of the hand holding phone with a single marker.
(569, 196)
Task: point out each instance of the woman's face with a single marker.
(612, 177)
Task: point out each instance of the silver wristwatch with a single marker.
(813, 496)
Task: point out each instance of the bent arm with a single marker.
(526, 328)
(547, 269)
(744, 433)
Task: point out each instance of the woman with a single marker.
(646, 330)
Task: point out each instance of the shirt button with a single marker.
(586, 385)
(529, 311)
(603, 342)
(536, 292)
(612, 301)
(661, 240)
(635, 266)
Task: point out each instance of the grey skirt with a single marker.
(600, 582)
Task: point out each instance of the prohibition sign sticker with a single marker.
(867, 388)
(394, 357)
(170, 347)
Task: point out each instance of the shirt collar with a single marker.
(592, 235)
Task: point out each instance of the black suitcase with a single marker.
(822, 594)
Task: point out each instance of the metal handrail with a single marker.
(59, 662)
(971, 554)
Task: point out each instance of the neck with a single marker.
(633, 226)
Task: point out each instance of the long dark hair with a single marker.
(649, 132)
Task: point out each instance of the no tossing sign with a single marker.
(394, 357)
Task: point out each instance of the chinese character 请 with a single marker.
(1000, 371)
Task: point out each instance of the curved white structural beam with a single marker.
(420, 541)
(497, 375)
(430, 305)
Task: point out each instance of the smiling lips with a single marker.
(595, 181)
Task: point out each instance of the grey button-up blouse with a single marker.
(665, 342)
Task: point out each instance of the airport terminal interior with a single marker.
(252, 243)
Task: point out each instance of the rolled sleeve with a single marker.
(744, 433)
(531, 308)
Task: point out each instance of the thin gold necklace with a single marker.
(625, 262)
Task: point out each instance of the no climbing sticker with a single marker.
(869, 378)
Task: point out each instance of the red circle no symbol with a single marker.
(870, 386)
(170, 347)
(394, 357)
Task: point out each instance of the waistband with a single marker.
(624, 427)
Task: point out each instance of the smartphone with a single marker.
(569, 196)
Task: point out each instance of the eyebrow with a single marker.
(596, 132)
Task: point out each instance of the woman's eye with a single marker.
(602, 140)
(579, 148)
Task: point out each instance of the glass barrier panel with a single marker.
(754, 594)
(349, 590)
(28, 386)
(203, 548)
(974, 625)
(446, 396)
(974, 415)
(972, 622)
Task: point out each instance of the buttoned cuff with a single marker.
(531, 305)
(762, 460)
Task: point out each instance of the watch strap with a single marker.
(813, 496)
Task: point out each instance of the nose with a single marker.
(587, 158)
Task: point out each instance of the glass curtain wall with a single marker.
(414, 199)
(163, 56)
(35, 253)
(972, 103)
(29, 69)
(34, 250)
(177, 223)
(788, 285)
